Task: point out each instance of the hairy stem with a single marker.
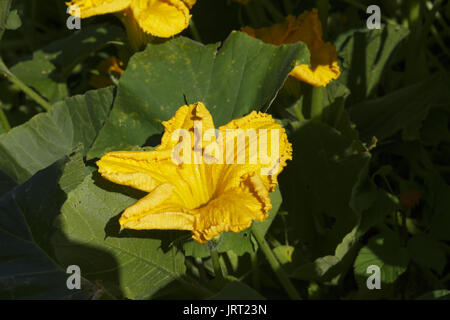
(4, 120)
(22, 86)
(316, 102)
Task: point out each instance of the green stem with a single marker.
(216, 264)
(4, 120)
(297, 107)
(275, 265)
(317, 102)
(201, 268)
(194, 31)
(137, 38)
(22, 86)
(255, 271)
(413, 13)
(29, 92)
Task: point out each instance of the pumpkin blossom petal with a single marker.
(233, 211)
(271, 141)
(160, 209)
(306, 28)
(142, 170)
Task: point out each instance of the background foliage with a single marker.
(368, 184)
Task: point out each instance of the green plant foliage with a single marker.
(403, 110)
(5, 7)
(364, 54)
(88, 234)
(44, 139)
(318, 184)
(368, 183)
(26, 226)
(48, 69)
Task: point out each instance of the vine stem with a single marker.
(194, 31)
(275, 265)
(29, 92)
(4, 120)
(255, 271)
(316, 102)
(22, 86)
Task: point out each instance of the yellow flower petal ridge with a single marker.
(205, 198)
(306, 28)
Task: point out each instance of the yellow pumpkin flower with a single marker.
(206, 193)
(305, 28)
(160, 18)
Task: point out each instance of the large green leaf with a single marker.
(404, 109)
(27, 266)
(48, 69)
(365, 54)
(133, 264)
(47, 137)
(244, 75)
